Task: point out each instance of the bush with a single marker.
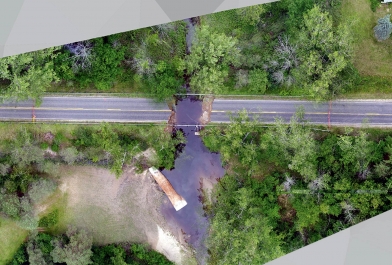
(20, 256)
(69, 155)
(83, 136)
(44, 145)
(41, 189)
(383, 29)
(258, 81)
(374, 4)
(140, 252)
(49, 220)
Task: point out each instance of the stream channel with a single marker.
(196, 168)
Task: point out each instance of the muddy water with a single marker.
(195, 168)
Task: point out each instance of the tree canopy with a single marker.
(28, 74)
(209, 60)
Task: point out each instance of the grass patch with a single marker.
(72, 87)
(372, 58)
(11, 237)
(57, 202)
(371, 87)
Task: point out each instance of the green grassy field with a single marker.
(373, 59)
(12, 236)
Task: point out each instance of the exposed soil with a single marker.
(171, 122)
(206, 110)
(120, 210)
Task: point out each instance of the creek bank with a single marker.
(206, 109)
(195, 172)
(114, 210)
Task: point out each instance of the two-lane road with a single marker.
(87, 109)
(97, 109)
(377, 113)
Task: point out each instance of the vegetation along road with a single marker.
(111, 109)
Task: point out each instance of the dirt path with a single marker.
(118, 210)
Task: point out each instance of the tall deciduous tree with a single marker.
(77, 251)
(251, 14)
(209, 60)
(24, 152)
(240, 232)
(357, 153)
(324, 53)
(36, 257)
(105, 65)
(296, 143)
(29, 74)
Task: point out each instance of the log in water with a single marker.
(176, 199)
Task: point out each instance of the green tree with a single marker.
(258, 81)
(324, 53)
(107, 139)
(240, 232)
(9, 204)
(20, 257)
(209, 60)
(28, 218)
(105, 64)
(251, 14)
(307, 212)
(41, 189)
(23, 151)
(296, 145)
(29, 74)
(76, 252)
(36, 257)
(295, 11)
(164, 83)
(357, 153)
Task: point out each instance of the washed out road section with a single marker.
(113, 109)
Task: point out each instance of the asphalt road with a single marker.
(96, 109)
(376, 113)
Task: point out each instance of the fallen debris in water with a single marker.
(177, 200)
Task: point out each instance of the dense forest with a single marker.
(289, 185)
(303, 47)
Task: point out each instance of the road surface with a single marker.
(97, 109)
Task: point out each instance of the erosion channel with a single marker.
(195, 172)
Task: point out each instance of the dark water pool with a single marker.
(194, 166)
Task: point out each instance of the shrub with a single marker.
(69, 155)
(383, 29)
(241, 78)
(41, 189)
(258, 81)
(374, 4)
(49, 220)
(44, 145)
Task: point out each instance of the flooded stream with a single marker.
(195, 168)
